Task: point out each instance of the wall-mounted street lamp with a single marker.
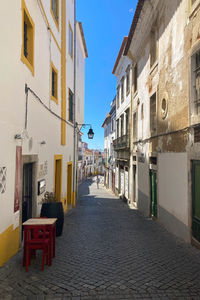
(90, 131)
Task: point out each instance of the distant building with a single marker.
(109, 126)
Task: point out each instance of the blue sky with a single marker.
(105, 23)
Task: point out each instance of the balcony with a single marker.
(121, 143)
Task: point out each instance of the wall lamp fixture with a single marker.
(17, 136)
(90, 131)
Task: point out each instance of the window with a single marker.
(135, 126)
(117, 122)
(122, 89)
(118, 97)
(28, 29)
(71, 96)
(70, 41)
(135, 78)
(127, 121)
(54, 83)
(122, 125)
(153, 47)
(195, 79)
(128, 80)
(142, 111)
(153, 120)
(55, 11)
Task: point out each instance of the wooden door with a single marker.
(196, 199)
(153, 187)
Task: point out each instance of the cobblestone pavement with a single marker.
(107, 251)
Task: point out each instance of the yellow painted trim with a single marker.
(74, 199)
(63, 72)
(23, 58)
(70, 28)
(70, 164)
(64, 203)
(9, 244)
(56, 71)
(42, 7)
(56, 22)
(58, 157)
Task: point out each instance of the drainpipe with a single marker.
(74, 111)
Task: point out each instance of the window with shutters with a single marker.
(117, 97)
(71, 115)
(153, 47)
(128, 80)
(122, 90)
(28, 27)
(153, 119)
(135, 126)
(197, 77)
(195, 82)
(55, 11)
(54, 83)
(135, 78)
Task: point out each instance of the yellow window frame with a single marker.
(31, 33)
(52, 13)
(53, 69)
(72, 41)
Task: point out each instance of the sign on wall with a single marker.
(2, 180)
(18, 177)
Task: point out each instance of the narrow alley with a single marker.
(107, 251)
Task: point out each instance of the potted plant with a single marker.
(51, 208)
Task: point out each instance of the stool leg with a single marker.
(27, 258)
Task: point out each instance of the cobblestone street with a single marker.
(107, 251)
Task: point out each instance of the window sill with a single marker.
(55, 21)
(135, 94)
(54, 99)
(153, 67)
(26, 62)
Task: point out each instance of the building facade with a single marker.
(164, 46)
(109, 126)
(41, 101)
(123, 72)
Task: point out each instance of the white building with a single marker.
(109, 126)
(123, 72)
(40, 103)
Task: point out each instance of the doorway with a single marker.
(69, 183)
(153, 191)
(134, 183)
(58, 176)
(27, 191)
(196, 199)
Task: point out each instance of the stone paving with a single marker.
(107, 251)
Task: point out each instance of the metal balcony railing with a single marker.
(121, 142)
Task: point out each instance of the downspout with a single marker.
(74, 111)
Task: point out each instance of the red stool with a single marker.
(37, 239)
